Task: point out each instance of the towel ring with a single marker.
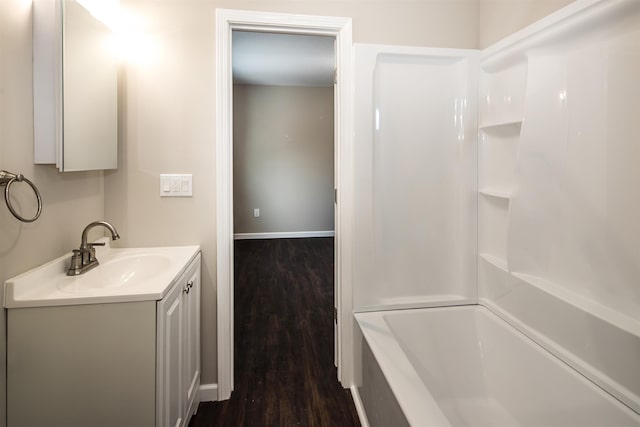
(7, 179)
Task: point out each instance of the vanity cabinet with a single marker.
(178, 340)
(132, 363)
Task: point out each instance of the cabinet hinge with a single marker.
(335, 196)
(335, 315)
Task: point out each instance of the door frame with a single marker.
(340, 28)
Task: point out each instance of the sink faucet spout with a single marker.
(85, 232)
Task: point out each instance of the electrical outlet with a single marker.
(256, 213)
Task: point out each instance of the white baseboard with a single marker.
(362, 415)
(283, 235)
(208, 392)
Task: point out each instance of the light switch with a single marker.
(176, 185)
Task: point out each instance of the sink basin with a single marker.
(117, 272)
(124, 274)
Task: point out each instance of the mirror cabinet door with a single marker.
(75, 88)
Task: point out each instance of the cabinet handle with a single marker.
(188, 287)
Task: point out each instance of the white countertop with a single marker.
(48, 284)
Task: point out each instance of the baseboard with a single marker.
(283, 235)
(362, 415)
(208, 392)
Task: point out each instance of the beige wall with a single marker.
(71, 200)
(500, 18)
(283, 158)
(168, 126)
(435, 23)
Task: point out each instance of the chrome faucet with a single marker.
(84, 259)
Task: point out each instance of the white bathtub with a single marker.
(464, 366)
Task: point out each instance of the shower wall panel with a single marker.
(416, 187)
(559, 195)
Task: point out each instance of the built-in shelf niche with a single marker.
(493, 227)
(502, 95)
(498, 152)
(489, 192)
(499, 263)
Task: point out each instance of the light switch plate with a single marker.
(176, 185)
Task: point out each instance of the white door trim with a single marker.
(340, 28)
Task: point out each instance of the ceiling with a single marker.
(282, 59)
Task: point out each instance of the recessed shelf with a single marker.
(512, 124)
(493, 226)
(497, 159)
(501, 194)
(502, 94)
(495, 261)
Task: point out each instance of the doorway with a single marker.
(340, 28)
(283, 135)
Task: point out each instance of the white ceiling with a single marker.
(282, 59)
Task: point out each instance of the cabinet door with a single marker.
(170, 390)
(191, 339)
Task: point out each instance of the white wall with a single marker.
(71, 200)
(283, 158)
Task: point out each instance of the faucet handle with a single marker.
(96, 244)
(75, 264)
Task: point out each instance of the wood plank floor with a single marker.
(284, 372)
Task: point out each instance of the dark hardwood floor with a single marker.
(284, 372)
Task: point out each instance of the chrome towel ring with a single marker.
(7, 179)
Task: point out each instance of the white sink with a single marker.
(134, 274)
(125, 270)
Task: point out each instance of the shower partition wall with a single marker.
(416, 178)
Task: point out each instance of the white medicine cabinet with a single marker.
(75, 88)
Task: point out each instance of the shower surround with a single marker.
(503, 179)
